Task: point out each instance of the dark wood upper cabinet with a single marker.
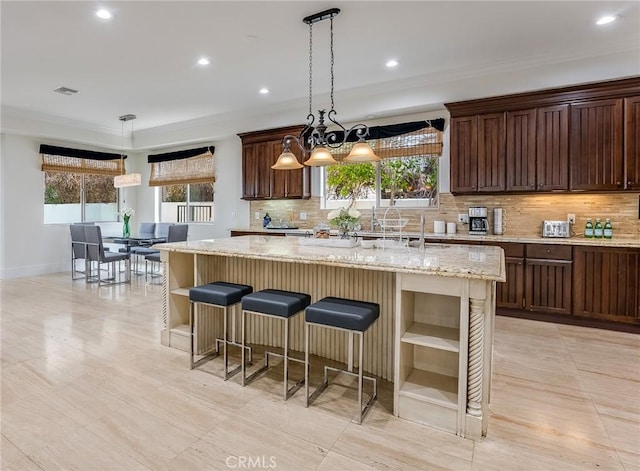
(464, 146)
(552, 153)
(260, 150)
(583, 137)
(521, 150)
(596, 145)
(632, 143)
(491, 155)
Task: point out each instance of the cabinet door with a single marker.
(264, 158)
(552, 153)
(548, 286)
(491, 152)
(521, 150)
(632, 143)
(596, 145)
(289, 183)
(510, 294)
(606, 283)
(464, 154)
(249, 172)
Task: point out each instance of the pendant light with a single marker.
(317, 138)
(126, 179)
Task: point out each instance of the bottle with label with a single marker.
(266, 220)
(597, 229)
(608, 229)
(588, 229)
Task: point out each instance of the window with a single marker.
(406, 176)
(78, 185)
(186, 180)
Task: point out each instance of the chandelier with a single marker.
(126, 179)
(316, 139)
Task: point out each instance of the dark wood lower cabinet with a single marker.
(548, 286)
(511, 293)
(606, 283)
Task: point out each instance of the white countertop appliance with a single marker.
(556, 229)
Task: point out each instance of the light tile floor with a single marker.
(86, 385)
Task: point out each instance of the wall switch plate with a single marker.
(256, 215)
(303, 216)
(571, 218)
(463, 218)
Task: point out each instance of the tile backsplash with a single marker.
(523, 213)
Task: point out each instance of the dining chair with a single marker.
(96, 253)
(78, 250)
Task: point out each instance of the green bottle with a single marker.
(588, 229)
(597, 229)
(608, 229)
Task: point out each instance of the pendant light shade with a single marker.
(361, 152)
(320, 157)
(287, 161)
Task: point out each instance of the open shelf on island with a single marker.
(434, 336)
(182, 329)
(431, 387)
(181, 291)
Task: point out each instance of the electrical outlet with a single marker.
(257, 215)
(571, 218)
(463, 218)
(303, 216)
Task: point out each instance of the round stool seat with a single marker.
(276, 302)
(219, 293)
(343, 313)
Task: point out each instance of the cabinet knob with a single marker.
(548, 250)
(619, 183)
(629, 183)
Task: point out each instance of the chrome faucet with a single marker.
(374, 220)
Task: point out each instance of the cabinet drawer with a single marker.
(549, 251)
(512, 249)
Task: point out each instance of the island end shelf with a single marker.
(434, 337)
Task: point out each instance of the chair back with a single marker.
(147, 229)
(95, 249)
(78, 241)
(178, 233)
(162, 229)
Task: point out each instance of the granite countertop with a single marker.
(617, 241)
(457, 261)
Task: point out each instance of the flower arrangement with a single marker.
(345, 219)
(126, 214)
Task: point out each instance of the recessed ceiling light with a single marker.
(104, 14)
(392, 63)
(264, 91)
(204, 61)
(605, 20)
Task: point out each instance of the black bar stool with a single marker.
(223, 295)
(276, 304)
(350, 316)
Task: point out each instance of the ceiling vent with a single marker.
(66, 91)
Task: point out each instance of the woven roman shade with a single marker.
(426, 142)
(67, 160)
(183, 167)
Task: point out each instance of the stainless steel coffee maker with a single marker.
(478, 222)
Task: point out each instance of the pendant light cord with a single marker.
(310, 67)
(331, 49)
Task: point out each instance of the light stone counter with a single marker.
(433, 339)
(461, 261)
(619, 240)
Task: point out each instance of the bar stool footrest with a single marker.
(265, 367)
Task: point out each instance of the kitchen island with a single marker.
(437, 305)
